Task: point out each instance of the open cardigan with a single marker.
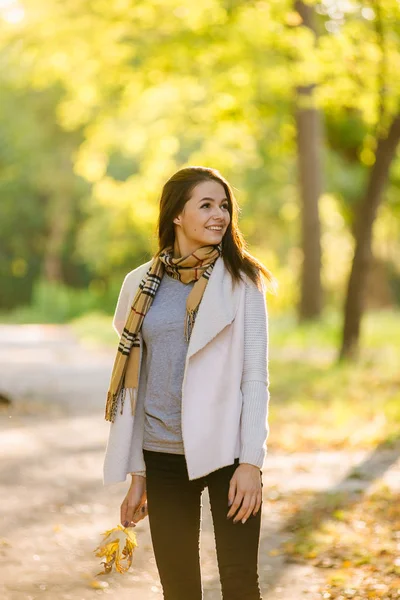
(225, 394)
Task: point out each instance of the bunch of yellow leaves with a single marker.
(117, 547)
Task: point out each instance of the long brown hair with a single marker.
(176, 192)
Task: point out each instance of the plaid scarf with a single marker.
(197, 267)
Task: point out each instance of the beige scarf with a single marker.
(197, 267)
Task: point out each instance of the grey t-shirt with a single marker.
(166, 349)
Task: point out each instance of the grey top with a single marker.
(166, 349)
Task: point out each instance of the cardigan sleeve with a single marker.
(255, 379)
(120, 315)
(121, 309)
(127, 295)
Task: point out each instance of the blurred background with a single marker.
(298, 105)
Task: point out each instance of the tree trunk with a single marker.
(365, 217)
(58, 227)
(309, 144)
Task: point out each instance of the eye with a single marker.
(207, 204)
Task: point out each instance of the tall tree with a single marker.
(309, 145)
(365, 217)
(387, 137)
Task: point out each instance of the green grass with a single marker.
(59, 303)
(96, 329)
(379, 329)
(317, 402)
(334, 406)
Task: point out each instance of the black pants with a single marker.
(174, 505)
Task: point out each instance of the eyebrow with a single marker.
(212, 199)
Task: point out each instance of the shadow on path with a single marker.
(324, 504)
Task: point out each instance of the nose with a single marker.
(219, 215)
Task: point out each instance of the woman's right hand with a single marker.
(134, 506)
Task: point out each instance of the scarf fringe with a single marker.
(113, 401)
(189, 322)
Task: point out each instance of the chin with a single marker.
(211, 239)
(214, 240)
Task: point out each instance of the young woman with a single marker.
(193, 359)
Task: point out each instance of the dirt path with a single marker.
(54, 506)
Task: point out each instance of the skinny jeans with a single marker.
(174, 509)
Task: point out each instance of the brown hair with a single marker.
(176, 192)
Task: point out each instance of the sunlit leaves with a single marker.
(157, 84)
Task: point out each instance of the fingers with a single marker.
(140, 513)
(249, 501)
(133, 501)
(245, 505)
(248, 512)
(232, 491)
(258, 503)
(144, 511)
(130, 514)
(128, 511)
(237, 500)
(123, 511)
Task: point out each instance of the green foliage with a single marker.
(58, 303)
(112, 97)
(37, 185)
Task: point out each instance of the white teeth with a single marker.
(215, 228)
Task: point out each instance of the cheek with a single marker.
(194, 222)
(199, 220)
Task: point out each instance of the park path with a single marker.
(54, 506)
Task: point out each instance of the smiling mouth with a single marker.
(214, 228)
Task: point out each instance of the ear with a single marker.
(177, 220)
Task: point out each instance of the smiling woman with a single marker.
(193, 201)
(193, 357)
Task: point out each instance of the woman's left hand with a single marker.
(245, 491)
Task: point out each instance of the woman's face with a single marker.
(204, 218)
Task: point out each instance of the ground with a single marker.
(55, 507)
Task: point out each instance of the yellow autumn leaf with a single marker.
(346, 564)
(117, 548)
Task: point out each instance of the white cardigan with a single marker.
(225, 393)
